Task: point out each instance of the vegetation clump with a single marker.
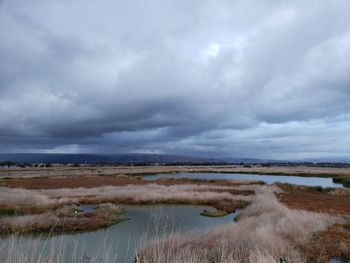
(213, 213)
(266, 232)
(65, 219)
(8, 212)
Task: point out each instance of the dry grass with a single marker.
(267, 232)
(17, 250)
(139, 170)
(65, 219)
(333, 242)
(134, 193)
(145, 193)
(334, 201)
(58, 182)
(46, 209)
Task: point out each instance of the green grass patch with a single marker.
(9, 212)
(323, 189)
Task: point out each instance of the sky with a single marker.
(240, 78)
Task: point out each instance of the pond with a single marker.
(119, 242)
(268, 179)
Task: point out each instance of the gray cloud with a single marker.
(239, 78)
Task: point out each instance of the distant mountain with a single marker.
(310, 160)
(144, 158)
(249, 160)
(52, 158)
(327, 160)
(96, 158)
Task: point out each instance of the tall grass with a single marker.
(44, 209)
(22, 199)
(267, 232)
(65, 219)
(18, 250)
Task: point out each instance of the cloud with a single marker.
(176, 77)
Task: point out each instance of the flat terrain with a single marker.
(310, 224)
(333, 241)
(51, 204)
(340, 175)
(140, 170)
(311, 199)
(96, 181)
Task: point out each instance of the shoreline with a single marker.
(338, 175)
(255, 200)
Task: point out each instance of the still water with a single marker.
(118, 243)
(268, 179)
(339, 260)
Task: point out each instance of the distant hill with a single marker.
(145, 158)
(96, 158)
(249, 160)
(328, 160)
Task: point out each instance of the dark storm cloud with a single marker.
(190, 77)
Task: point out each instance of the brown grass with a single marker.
(125, 190)
(48, 204)
(333, 242)
(137, 170)
(157, 194)
(96, 181)
(65, 219)
(267, 232)
(18, 250)
(335, 201)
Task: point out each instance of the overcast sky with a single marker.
(268, 79)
